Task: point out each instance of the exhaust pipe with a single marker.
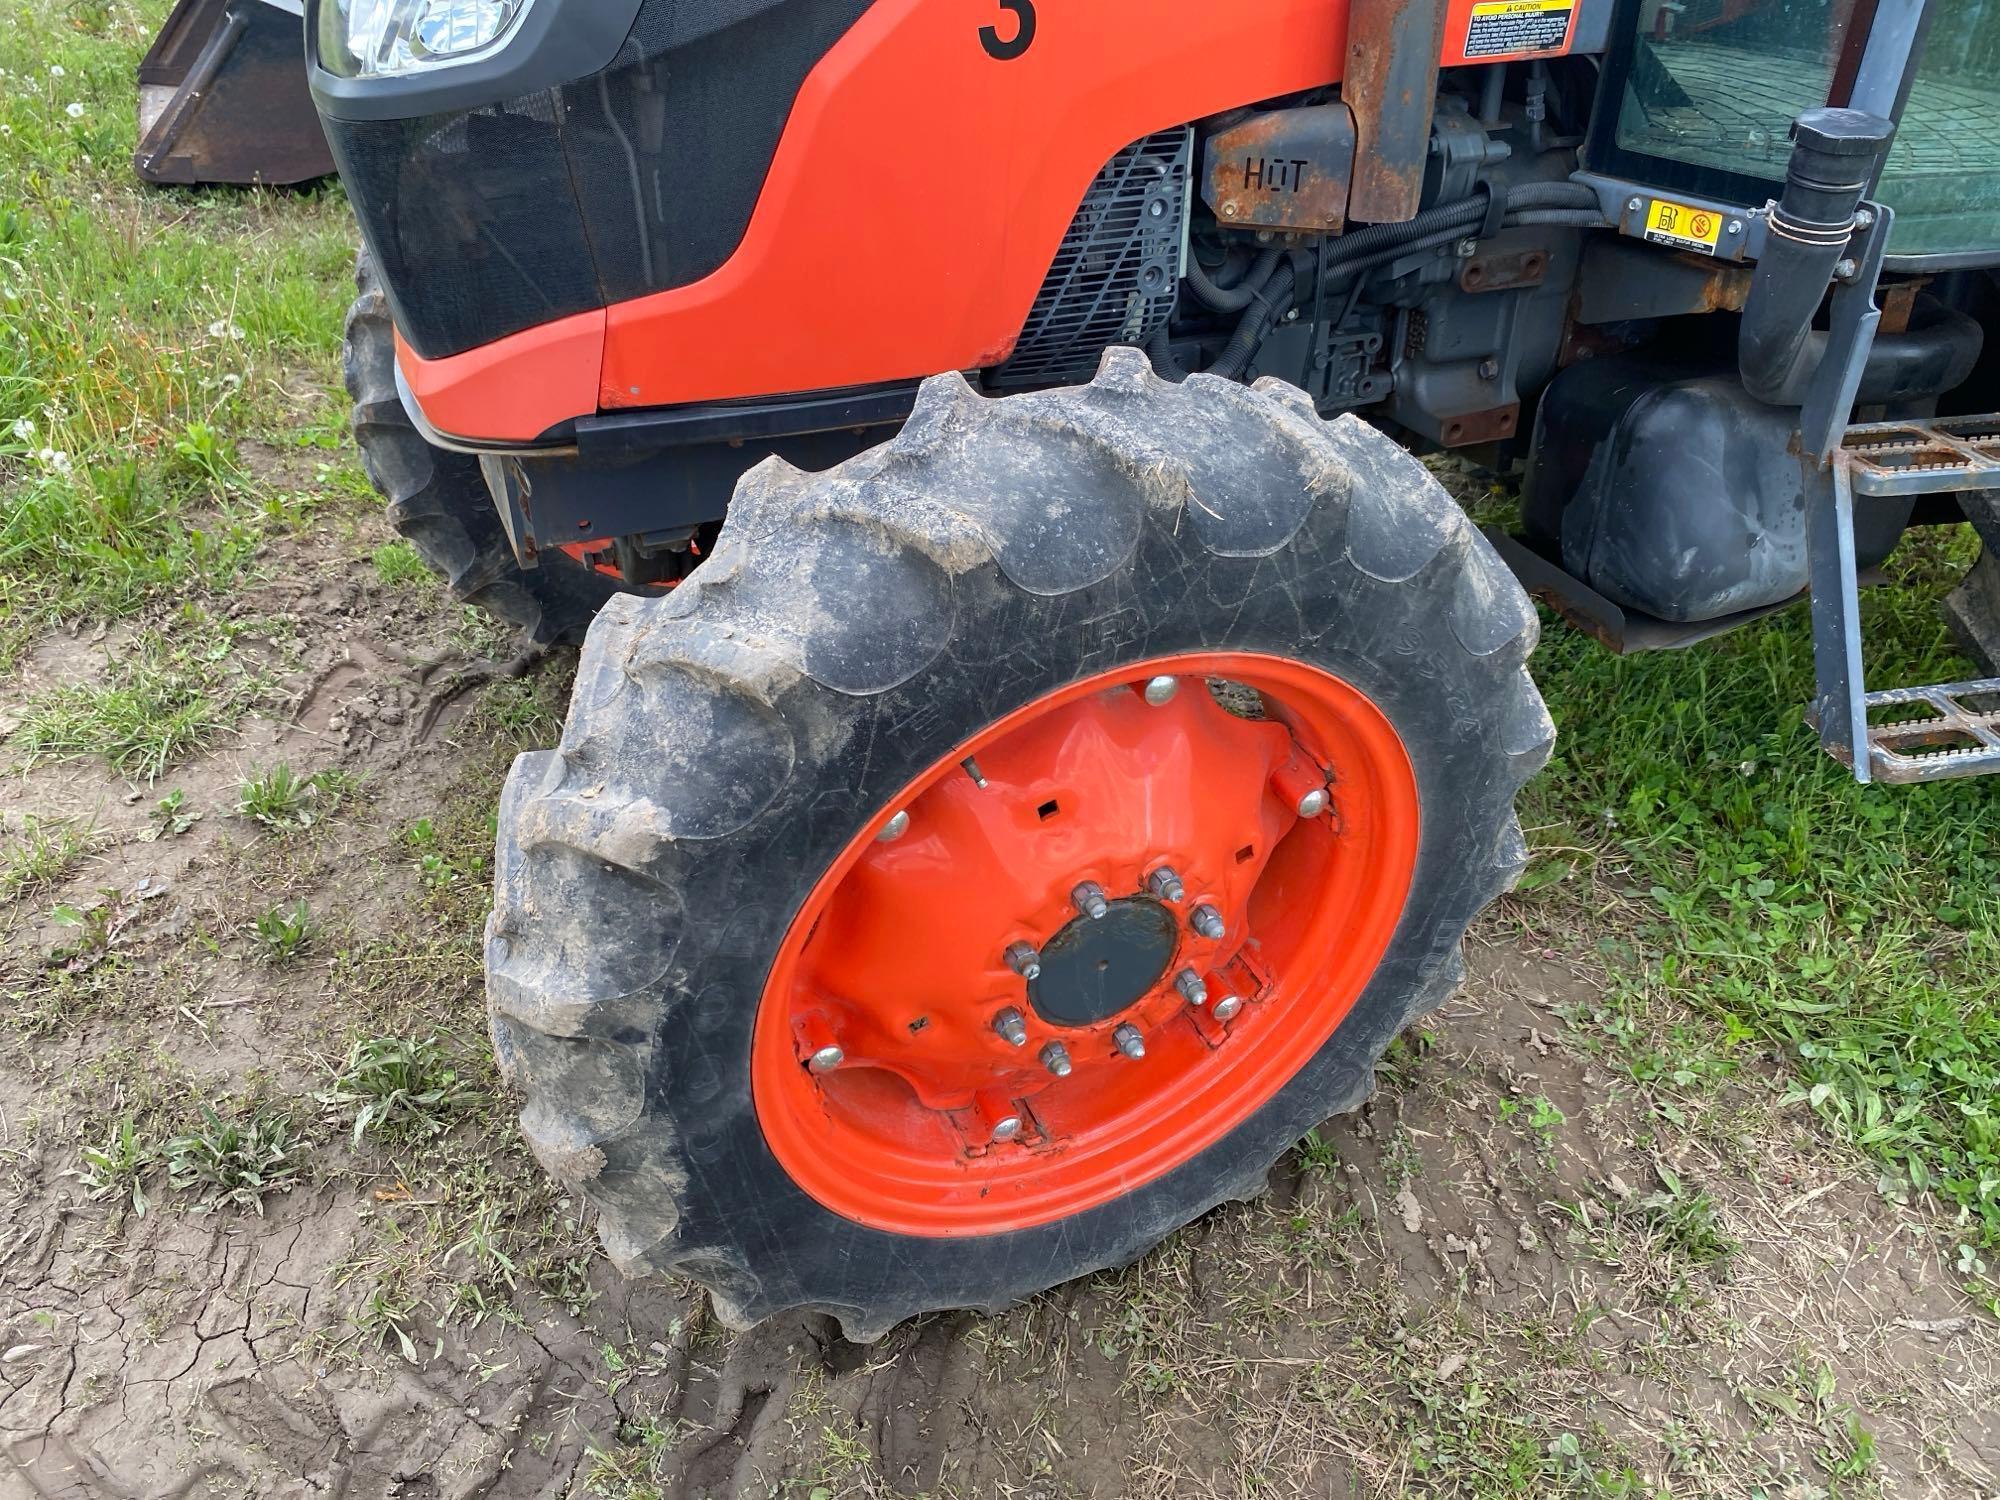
(1835, 156)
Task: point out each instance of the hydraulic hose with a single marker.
(1219, 298)
(1267, 294)
(1835, 154)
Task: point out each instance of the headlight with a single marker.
(371, 38)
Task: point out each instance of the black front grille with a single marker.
(632, 181)
(1118, 271)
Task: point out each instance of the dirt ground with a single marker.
(1519, 1271)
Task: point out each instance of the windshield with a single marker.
(1716, 84)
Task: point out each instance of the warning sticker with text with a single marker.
(1683, 227)
(1501, 28)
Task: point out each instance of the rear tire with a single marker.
(438, 501)
(1973, 608)
(727, 743)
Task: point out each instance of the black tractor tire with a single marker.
(438, 500)
(1973, 608)
(726, 742)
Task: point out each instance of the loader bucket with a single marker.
(223, 98)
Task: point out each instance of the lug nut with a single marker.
(827, 1059)
(1227, 1008)
(1089, 899)
(1055, 1057)
(1024, 960)
(1130, 1042)
(894, 829)
(1192, 989)
(1313, 803)
(1160, 690)
(1208, 922)
(1166, 885)
(1012, 1027)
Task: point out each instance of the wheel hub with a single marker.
(1103, 931)
(1094, 969)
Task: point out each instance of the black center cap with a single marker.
(1093, 970)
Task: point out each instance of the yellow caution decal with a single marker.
(1501, 28)
(1683, 226)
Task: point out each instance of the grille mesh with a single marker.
(1118, 271)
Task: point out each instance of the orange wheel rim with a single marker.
(902, 1060)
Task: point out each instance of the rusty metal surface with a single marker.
(1922, 457)
(1489, 426)
(1622, 280)
(1954, 732)
(223, 98)
(1285, 169)
(1390, 82)
(1503, 271)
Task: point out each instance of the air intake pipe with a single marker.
(1835, 154)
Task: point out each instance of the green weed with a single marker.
(171, 817)
(236, 1162)
(282, 932)
(286, 802)
(118, 1168)
(401, 1088)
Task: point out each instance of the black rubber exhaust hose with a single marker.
(1835, 153)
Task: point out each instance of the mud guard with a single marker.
(223, 97)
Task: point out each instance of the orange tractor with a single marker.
(1001, 810)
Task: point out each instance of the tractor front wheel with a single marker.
(438, 500)
(1008, 843)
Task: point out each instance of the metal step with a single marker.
(1955, 730)
(1922, 458)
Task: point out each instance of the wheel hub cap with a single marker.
(1093, 970)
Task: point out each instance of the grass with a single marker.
(141, 331)
(164, 697)
(1755, 884)
(41, 856)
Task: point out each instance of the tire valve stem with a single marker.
(1208, 922)
(1024, 960)
(1192, 989)
(1012, 1026)
(1089, 899)
(1130, 1042)
(1055, 1057)
(1166, 885)
(971, 768)
(1227, 1008)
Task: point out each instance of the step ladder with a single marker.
(1951, 729)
